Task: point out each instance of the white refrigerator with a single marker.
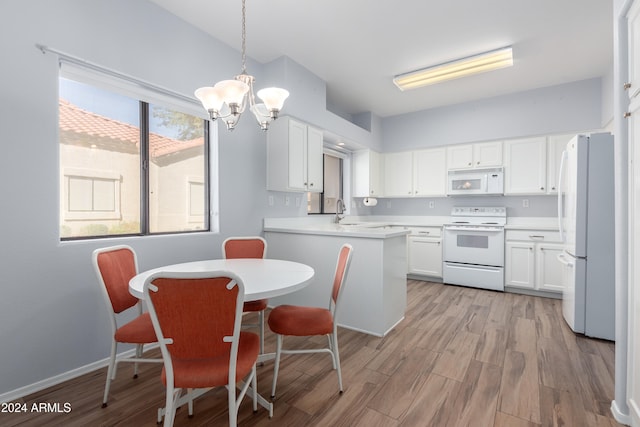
(586, 221)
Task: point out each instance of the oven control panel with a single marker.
(475, 211)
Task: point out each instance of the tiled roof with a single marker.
(85, 123)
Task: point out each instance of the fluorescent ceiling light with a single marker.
(476, 64)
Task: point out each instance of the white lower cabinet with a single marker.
(531, 260)
(548, 268)
(519, 264)
(424, 251)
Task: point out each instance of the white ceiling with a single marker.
(357, 46)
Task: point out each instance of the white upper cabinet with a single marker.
(487, 154)
(481, 155)
(420, 173)
(294, 157)
(555, 146)
(367, 180)
(525, 166)
(460, 157)
(398, 173)
(429, 172)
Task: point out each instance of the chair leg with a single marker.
(261, 330)
(254, 386)
(190, 403)
(170, 404)
(110, 373)
(139, 349)
(333, 357)
(337, 359)
(276, 365)
(233, 409)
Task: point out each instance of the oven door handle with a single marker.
(483, 229)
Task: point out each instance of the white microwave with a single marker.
(475, 181)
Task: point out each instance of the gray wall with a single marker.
(565, 108)
(52, 317)
(539, 206)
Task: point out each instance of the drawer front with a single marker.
(533, 235)
(426, 231)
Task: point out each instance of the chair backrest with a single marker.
(196, 315)
(115, 266)
(342, 268)
(244, 247)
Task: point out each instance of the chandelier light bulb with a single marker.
(273, 97)
(262, 115)
(232, 91)
(211, 100)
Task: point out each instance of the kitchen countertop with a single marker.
(368, 230)
(513, 223)
(383, 227)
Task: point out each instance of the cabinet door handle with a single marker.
(534, 236)
(626, 86)
(542, 188)
(311, 184)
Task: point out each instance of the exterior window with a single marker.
(325, 202)
(128, 166)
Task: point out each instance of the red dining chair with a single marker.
(197, 318)
(295, 320)
(114, 267)
(249, 247)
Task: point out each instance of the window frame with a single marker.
(145, 94)
(345, 173)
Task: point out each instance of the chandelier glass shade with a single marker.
(228, 99)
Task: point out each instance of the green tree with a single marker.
(188, 127)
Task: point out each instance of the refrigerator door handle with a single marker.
(564, 260)
(563, 160)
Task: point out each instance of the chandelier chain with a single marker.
(244, 39)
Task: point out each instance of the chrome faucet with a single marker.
(339, 210)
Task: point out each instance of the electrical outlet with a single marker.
(287, 201)
(525, 203)
(270, 200)
(432, 204)
(297, 202)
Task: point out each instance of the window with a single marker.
(325, 202)
(131, 162)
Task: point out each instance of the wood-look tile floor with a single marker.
(461, 357)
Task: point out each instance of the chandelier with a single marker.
(228, 99)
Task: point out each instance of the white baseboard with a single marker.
(618, 415)
(65, 376)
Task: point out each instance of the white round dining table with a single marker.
(262, 278)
